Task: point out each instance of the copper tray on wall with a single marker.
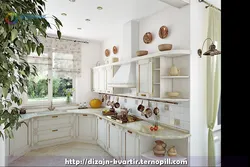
(163, 32)
(147, 38)
(107, 53)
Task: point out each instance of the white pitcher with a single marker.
(174, 71)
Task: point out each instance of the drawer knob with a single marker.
(100, 118)
(54, 116)
(55, 130)
(143, 94)
(113, 124)
(84, 115)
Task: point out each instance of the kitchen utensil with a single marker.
(108, 102)
(156, 110)
(107, 53)
(163, 32)
(147, 38)
(117, 104)
(115, 50)
(160, 148)
(141, 107)
(164, 47)
(172, 151)
(141, 52)
(148, 111)
(174, 71)
(173, 94)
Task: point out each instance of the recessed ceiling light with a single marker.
(79, 28)
(72, 0)
(64, 14)
(99, 8)
(87, 19)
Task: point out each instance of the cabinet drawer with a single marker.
(53, 134)
(45, 123)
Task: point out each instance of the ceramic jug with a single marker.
(160, 148)
(174, 71)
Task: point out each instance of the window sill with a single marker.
(44, 107)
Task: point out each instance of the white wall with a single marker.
(198, 126)
(177, 21)
(91, 53)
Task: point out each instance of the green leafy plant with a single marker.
(68, 93)
(21, 23)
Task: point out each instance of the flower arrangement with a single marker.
(68, 93)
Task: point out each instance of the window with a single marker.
(57, 70)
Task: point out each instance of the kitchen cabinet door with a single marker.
(131, 145)
(21, 141)
(102, 79)
(109, 76)
(86, 127)
(102, 132)
(144, 78)
(114, 140)
(95, 82)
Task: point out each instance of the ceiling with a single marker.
(104, 23)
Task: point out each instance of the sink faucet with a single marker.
(51, 107)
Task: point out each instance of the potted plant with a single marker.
(20, 26)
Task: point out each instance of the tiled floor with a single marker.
(59, 154)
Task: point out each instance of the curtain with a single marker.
(213, 80)
(65, 55)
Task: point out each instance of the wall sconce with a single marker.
(212, 49)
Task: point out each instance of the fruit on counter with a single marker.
(95, 103)
(106, 110)
(151, 128)
(155, 128)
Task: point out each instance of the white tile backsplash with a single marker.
(180, 111)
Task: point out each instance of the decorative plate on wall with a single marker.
(115, 50)
(147, 38)
(107, 52)
(163, 32)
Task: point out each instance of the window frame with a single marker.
(46, 103)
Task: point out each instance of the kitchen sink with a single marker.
(50, 112)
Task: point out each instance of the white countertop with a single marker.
(140, 127)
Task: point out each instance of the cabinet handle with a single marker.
(130, 132)
(113, 124)
(54, 116)
(108, 91)
(84, 115)
(143, 95)
(55, 130)
(100, 118)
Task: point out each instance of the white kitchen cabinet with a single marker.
(19, 145)
(54, 129)
(86, 129)
(109, 76)
(114, 140)
(144, 78)
(131, 145)
(99, 80)
(95, 77)
(102, 132)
